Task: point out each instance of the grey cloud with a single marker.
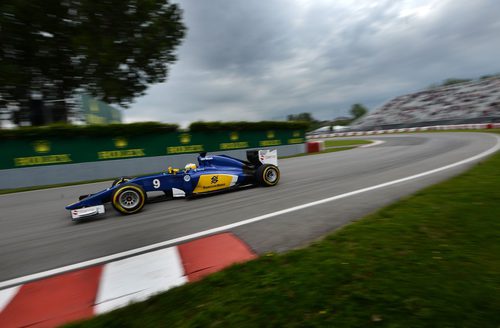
(235, 35)
(262, 60)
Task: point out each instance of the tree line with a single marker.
(110, 49)
(356, 111)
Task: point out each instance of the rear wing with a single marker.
(260, 157)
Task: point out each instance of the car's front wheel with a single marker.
(268, 175)
(129, 199)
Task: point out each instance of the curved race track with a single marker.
(36, 233)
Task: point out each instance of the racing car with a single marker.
(212, 174)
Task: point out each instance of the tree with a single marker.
(111, 49)
(452, 81)
(358, 110)
(306, 117)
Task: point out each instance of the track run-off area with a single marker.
(316, 195)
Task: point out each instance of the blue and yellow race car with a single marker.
(212, 174)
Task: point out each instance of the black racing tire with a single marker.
(169, 193)
(120, 181)
(267, 175)
(129, 199)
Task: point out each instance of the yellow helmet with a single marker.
(190, 166)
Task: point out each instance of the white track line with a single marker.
(204, 233)
(374, 143)
(135, 279)
(6, 296)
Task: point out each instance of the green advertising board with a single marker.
(53, 151)
(98, 112)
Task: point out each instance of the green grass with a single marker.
(328, 150)
(334, 146)
(340, 143)
(430, 260)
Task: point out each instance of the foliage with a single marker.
(112, 49)
(343, 143)
(133, 129)
(358, 110)
(66, 130)
(305, 117)
(454, 81)
(484, 77)
(242, 126)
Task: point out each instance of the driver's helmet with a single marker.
(190, 166)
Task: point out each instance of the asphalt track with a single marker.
(36, 233)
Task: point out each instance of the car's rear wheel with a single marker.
(268, 175)
(129, 199)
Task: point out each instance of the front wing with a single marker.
(87, 211)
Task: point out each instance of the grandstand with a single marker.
(463, 103)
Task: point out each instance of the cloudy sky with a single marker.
(259, 60)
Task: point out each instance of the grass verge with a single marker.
(328, 150)
(430, 260)
(340, 143)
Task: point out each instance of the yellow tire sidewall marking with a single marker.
(277, 173)
(118, 205)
